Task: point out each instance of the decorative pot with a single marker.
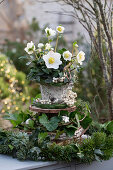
(49, 92)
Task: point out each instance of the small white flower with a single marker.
(55, 80)
(48, 46)
(40, 45)
(14, 50)
(27, 121)
(52, 60)
(60, 29)
(85, 136)
(67, 55)
(50, 32)
(30, 48)
(61, 79)
(52, 49)
(65, 119)
(81, 57)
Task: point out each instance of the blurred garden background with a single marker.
(22, 21)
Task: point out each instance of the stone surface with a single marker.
(8, 163)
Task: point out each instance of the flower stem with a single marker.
(57, 42)
(72, 51)
(36, 55)
(48, 39)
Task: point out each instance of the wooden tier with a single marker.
(40, 110)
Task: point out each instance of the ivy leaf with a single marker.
(53, 124)
(43, 119)
(16, 119)
(49, 125)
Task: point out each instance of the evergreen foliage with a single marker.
(27, 146)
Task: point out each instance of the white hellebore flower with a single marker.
(52, 60)
(81, 57)
(67, 55)
(30, 48)
(48, 46)
(65, 119)
(50, 32)
(40, 45)
(60, 29)
(27, 121)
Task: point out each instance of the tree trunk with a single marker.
(110, 101)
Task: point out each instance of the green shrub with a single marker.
(99, 139)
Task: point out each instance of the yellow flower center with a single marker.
(80, 56)
(59, 29)
(51, 60)
(66, 55)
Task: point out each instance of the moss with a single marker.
(99, 139)
(108, 148)
(87, 148)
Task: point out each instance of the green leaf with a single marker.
(53, 124)
(77, 118)
(64, 113)
(70, 131)
(86, 122)
(45, 71)
(62, 51)
(74, 43)
(31, 123)
(23, 57)
(59, 133)
(109, 127)
(49, 125)
(43, 119)
(28, 63)
(16, 119)
(72, 126)
(11, 147)
(42, 136)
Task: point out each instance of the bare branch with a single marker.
(2, 1)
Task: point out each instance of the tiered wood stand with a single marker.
(54, 112)
(51, 111)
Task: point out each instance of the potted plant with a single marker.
(54, 69)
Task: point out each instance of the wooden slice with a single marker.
(40, 110)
